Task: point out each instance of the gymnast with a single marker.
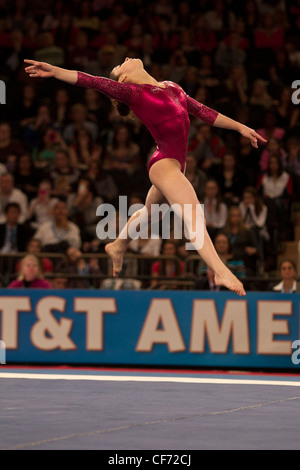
(163, 107)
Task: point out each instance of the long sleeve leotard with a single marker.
(163, 109)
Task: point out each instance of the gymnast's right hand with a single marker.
(39, 69)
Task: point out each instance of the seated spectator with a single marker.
(60, 233)
(288, 274)
(48, 51)
(196, 177)
(63, 176)
(224, 250)
(26, 176)
(9, 193)
(122, 159)
(168, 267)
(61, 107)
(231, 178)
(269, 35)
(242, 240)
(84, 150)
(293, 163)
(80, 55)
(215, 211)
(8, 146)
(77, 265)
(35, 130)
(287, 113)
(79, 118)
(276, 187)
(207, 147)
(270, 128)
(248, 160)
(205, 38)
(83, 206)
(104, 184)
(190, 82)
(34, 247)
(275, 182)
(50, 142)
(59, 282)
(260, 96)
(85, 19)
(41, 207)
(273, 147)
(30, 275)
(65, 32)
(14, 235)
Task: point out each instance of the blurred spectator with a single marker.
(13, 234)
(273, 147)
(122, 157)
(260, 96)
(60, 233)
(65, 32)
(287, 113)
(63, 176)
(30, 275)
(80, 55)
(48, 51)
(83, 206)
(12, 57)
(242, 240)
(168, 268)
(78, 266)
(8, 146)
(26, 176)
(248, 160)
(34, 131)
(85, 18)
(207, 147)
(288, 274)
(49, 143)
(196, 177)
(224, 250)
(59, 282)
(61, 107)
(104, 184)
(215, 211)
(83, 151)
(190, 82)
(270, 128)
(103, 63)
(268, 35)
(219, 18)
(231, 178)
(98, 107)
(79, 119)
(175, 69)
(41, 207)
(205, 38)
(293, 163)
(9, 193)
(135, 40)
(276, 187)
(25, 107)
(35, 247)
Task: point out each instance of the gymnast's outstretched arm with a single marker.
(216, 119)
(126, 93)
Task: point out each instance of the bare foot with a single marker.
(116, 256)
(227, 279)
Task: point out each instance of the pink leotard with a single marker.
(164, 110)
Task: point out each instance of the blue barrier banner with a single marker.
(159, 328)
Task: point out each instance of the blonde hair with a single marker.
(24, 260)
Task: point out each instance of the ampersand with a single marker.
(48, 333)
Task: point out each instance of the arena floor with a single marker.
(119, 409)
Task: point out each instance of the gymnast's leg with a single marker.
(166, 176)
(117, 248)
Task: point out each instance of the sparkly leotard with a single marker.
(164, 110)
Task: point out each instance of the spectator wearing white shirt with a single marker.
(8, 193)
(59, 233)
(215, 211)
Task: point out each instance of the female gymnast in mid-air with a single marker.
(163, 107)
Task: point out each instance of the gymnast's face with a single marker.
(128, 68)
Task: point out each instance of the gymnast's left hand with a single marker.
(252, 135)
